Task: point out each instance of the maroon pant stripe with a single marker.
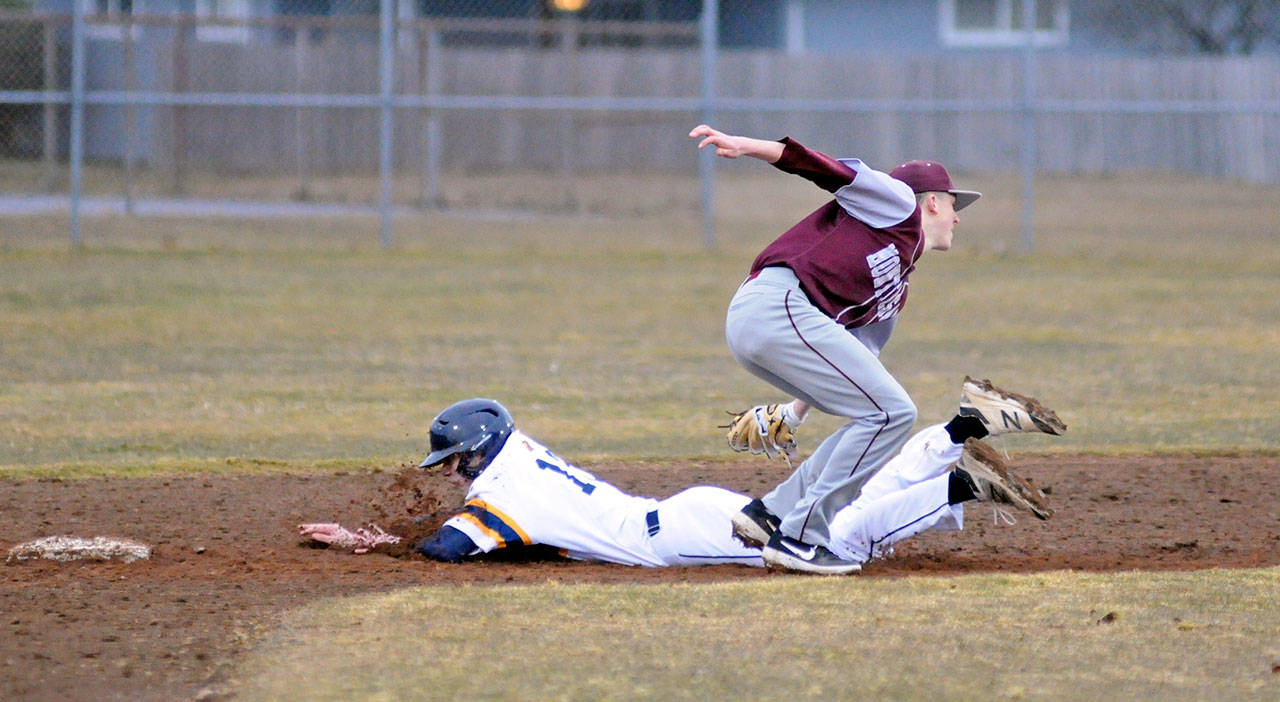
(872, 400)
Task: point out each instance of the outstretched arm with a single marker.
(786, 155)
(730, 146)
(360, 540)
(449, 545)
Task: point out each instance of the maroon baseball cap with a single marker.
(930, 176)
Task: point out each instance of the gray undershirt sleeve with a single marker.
(874, 197)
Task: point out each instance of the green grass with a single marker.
(1148, 317)
(1169, 636)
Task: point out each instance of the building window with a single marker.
(107, 17)
(113, 8)
(998, 23)
(210, 11)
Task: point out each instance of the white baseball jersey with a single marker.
(528, 495)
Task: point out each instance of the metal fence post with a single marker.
(570, 55)
(386, 136)
(77, 114)
(130, 69)
(430, 78)
(49, 111)
(1029, 126)
(710, 26)
(182, 24)
(302, 115)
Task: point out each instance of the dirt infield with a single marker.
(226, 563)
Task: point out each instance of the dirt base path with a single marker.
(226, 564)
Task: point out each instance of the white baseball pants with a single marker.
(695, 528)
(908, 496)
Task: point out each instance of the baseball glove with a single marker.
(358, 540)
(762, 429)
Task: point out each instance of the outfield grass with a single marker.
(1148, 317)
(1168, 636)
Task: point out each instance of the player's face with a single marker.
(941, 222)
(449, 470)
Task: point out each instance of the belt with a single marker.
(652, 520)
(777, 274)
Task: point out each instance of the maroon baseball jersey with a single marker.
(853, 254)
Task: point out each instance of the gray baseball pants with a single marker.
(777, 334)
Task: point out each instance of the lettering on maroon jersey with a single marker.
(886, 277)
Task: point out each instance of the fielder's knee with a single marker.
(899, 414)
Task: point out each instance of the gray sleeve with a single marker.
(874, 197)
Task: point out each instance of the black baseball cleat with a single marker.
(785, 553)
(754, 525)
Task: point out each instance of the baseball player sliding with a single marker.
(522, 494)
(816, 307)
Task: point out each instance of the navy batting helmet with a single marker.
(477, 429)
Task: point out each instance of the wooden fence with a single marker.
(1211, 116)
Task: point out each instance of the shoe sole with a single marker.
(748, 533)
(777, 560)
(1022, 492)
(1044, 419)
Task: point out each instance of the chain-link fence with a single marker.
(30, 61)
(287, 107)
(582, 105)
